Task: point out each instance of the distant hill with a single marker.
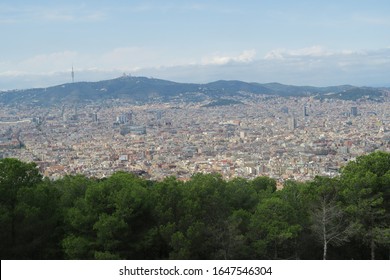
(358, 93)
(234, 87)
(145, 90)
(305, 90)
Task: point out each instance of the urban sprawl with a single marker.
(283, 138)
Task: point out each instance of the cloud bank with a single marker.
(246, 56)
(314, 65)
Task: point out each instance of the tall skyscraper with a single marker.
(354, 111)
(130, 117)
(305, 111)
(292, 123)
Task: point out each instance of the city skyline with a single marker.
(302, 42)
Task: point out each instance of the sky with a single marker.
(296, 42)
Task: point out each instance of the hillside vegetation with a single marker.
(149, 90)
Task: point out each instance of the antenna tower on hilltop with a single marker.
(72, 74)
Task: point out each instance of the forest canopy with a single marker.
(207, 217)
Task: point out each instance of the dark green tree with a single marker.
(110, 221)
(29, 216)
(263, 183)
(241, 194)
(203, 224)
(167, 210)
(299, 196)
(273, 228)
(365, 190)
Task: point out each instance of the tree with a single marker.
(329, 223)
(167, 212)
(263, 183)
(241, 194)
(272, 227)
(14, 175)
(236, 244)
(110, 221)
(365, 187)
(298, 196)
(29, 216)
(203, 224)
(72, 188)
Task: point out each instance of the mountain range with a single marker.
(146, 90)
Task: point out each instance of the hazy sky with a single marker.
(295, 42)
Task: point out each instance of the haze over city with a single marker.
(293, 42)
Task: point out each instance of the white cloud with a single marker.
(314, 51)
(316, 66)
(321, 66)
(245, 57)
(320, 53)
(310, 66)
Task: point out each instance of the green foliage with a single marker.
(15, 175)
(263, 183)
(241, 194)
(127, 217)
(110, 219)
(273, 226)
(77, 248)
(365, 189)
(29, 216)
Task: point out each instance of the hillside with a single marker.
(145, 90)
(358, 93)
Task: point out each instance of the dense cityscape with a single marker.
(283, 138)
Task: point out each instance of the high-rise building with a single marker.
(130, 117)
(305, 111)
(354, 111)
(63, 116)
(292, 123)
